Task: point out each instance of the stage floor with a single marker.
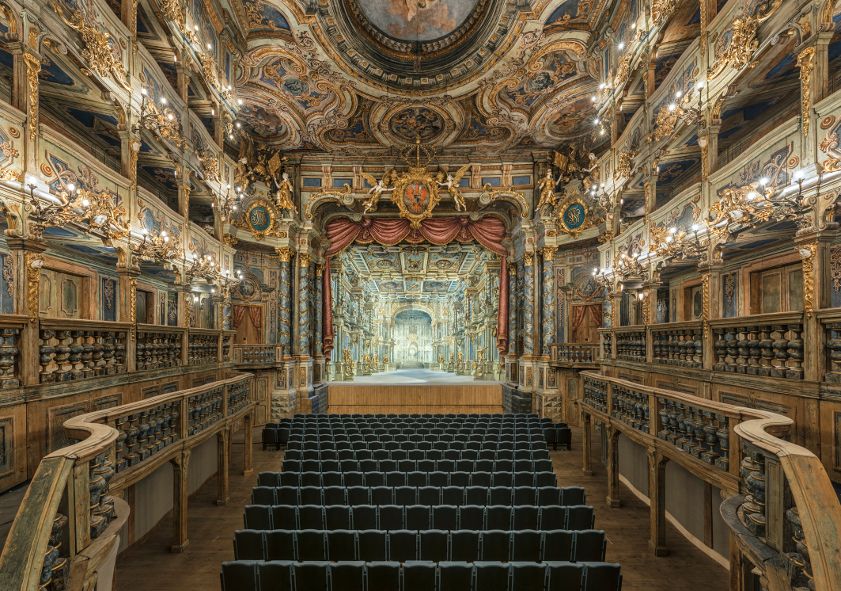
(415, 377)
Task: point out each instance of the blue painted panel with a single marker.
(313, 182)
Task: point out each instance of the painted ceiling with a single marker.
(492, 75)
(417, 271)
(410, 20)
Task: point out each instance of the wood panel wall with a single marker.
(421, 399)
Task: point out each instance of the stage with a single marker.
(415, 376)
(408, 391)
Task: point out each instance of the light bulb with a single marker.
(71, 187)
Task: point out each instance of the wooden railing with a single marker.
(781, 506)
(630, 343)
(256, 354)
(67, 528)
(678, 343)
(575, 353)
(762, 345)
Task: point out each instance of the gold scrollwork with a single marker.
(33, 69)
(806, 63)
(34, 262)
(736, 46)
(808, 252)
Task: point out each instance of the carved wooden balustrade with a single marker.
(67, 530)
(575, 353)
(761, 345)
(81, 349)
(158, 347)
(203, 346)
(630, 343)
(256, 354)
(11, 329)
(678, 343)
(780, 505)
(831, 331)
(607, 343)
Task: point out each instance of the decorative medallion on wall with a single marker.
(416, 195)
(260, 218)
(573, 216)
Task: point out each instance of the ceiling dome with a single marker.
(417, 20)
(419, 45)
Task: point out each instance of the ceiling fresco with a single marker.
(410, 20)
(486, 75)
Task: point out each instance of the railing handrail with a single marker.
(737, 412)
(813, 495)
(770, 318)
(663, 326)
(24, 554)
(144, 327)
(140, 405)
(71, 323)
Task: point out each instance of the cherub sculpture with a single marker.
(378, 187)
(451, 184)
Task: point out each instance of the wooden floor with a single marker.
(148, 566)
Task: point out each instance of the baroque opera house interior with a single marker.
(420, 295)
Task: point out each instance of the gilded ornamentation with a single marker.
(662, 10)
(806, 63)
(9, 273)
(34, 262)
(162, 121)
(284, 195)
(303, 260)
(528, 259)
(705, 297)
(209, 164)
(736, 46)
(99, 53)
(173, 10)
(343, 196)
(549, 253)
(95, 212)
(260, 219)
(625, 163)
(284, 254)
(132, 290)
(808, 253)
(666, 122)
(547, 185)
(33, 69)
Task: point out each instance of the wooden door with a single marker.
(62, 295)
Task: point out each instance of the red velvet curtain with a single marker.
(327, 309)
(239, 314)
(578, 315)
(255, 314)
(487, 231)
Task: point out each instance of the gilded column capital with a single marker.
(284, 254)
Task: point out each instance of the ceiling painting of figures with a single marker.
(417, 19)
